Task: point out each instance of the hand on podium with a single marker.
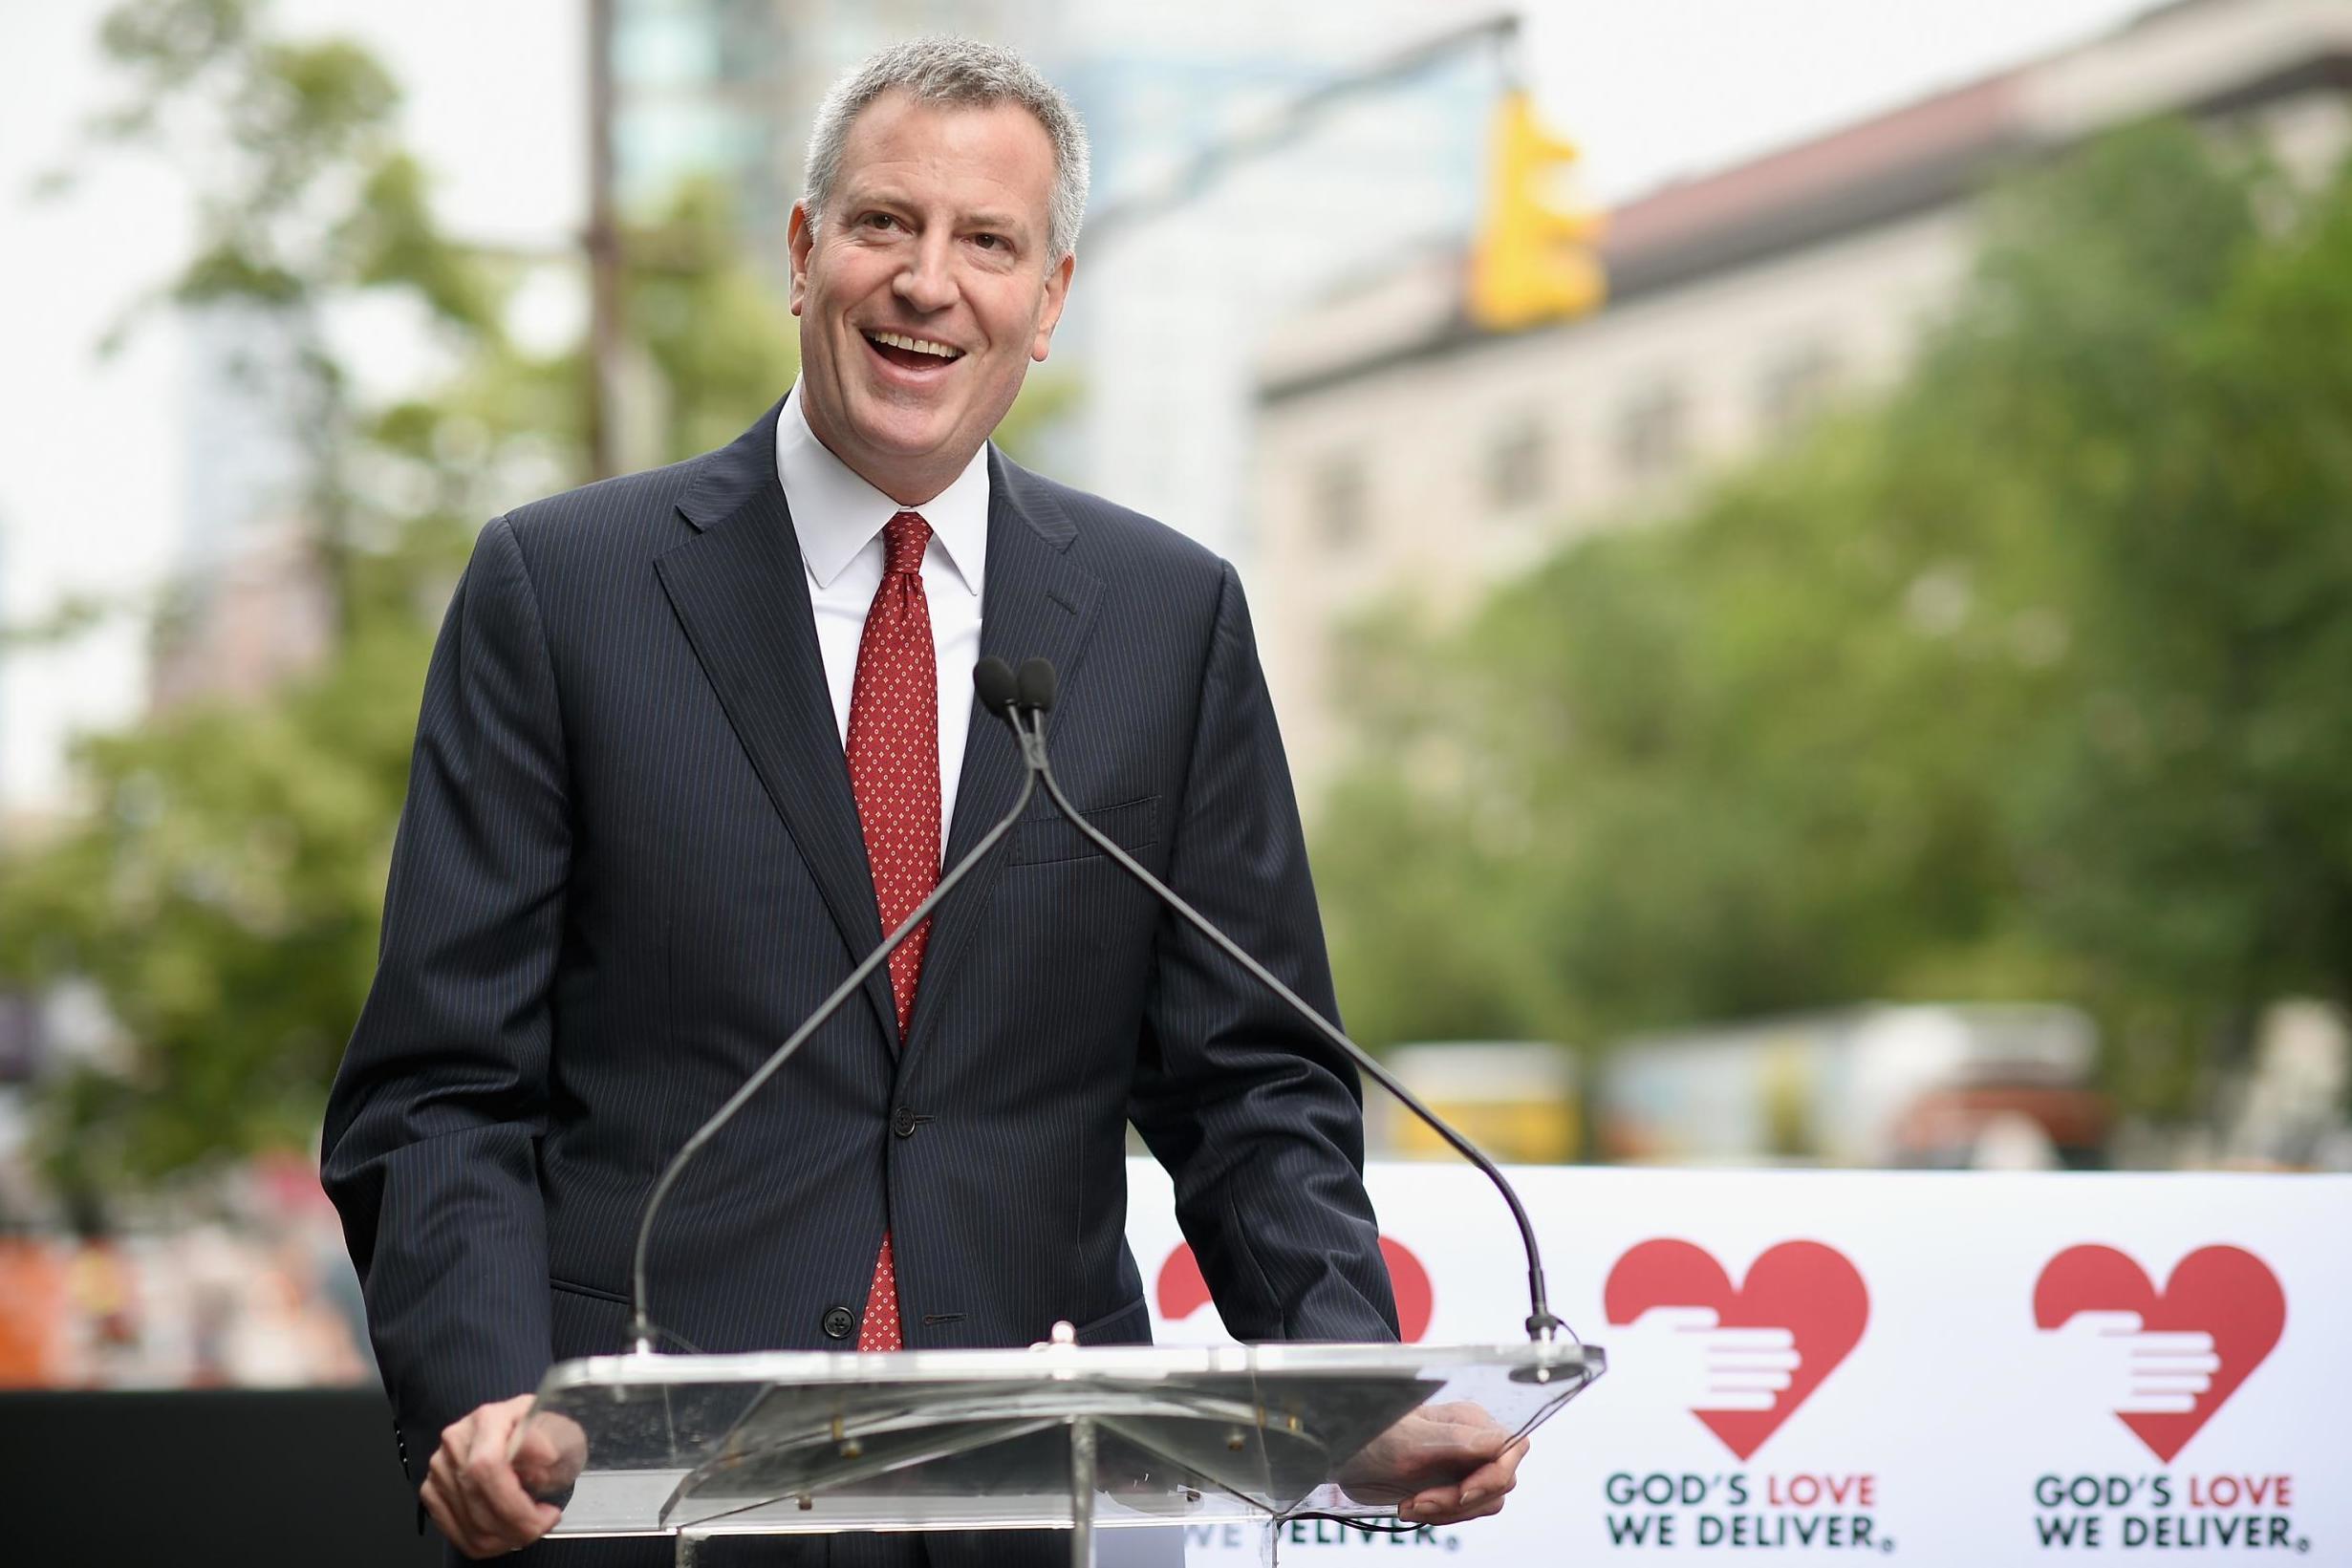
(1441, 1464)
(483, 1484)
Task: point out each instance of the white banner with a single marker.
(1925, 1368)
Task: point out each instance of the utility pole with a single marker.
(602, 242)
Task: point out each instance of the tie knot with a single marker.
(903, 538)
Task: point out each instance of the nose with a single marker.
(925, 283)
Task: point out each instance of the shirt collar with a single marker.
(836, 513)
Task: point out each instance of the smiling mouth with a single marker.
(910, 353)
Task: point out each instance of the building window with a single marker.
(1518, 464)
(1793, 388)
(1652, 435)
(1338, 497)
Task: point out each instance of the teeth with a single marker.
(920, 345)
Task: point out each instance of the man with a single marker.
(693, 740)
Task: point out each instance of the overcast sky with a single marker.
(89, 459)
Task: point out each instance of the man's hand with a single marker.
(473, 1488)
(1446, 1463)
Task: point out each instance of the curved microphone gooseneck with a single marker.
(1035, 694)
(996, 689)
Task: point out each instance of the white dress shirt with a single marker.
(839, 518)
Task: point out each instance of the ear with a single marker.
(799, 240)
(1057, 295)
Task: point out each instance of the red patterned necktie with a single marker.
(893, 751)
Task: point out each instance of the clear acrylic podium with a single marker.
(1057, 1436)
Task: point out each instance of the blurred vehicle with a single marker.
(1515, 1099)
(1939, 1086)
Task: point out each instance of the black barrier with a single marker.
(244, 1476)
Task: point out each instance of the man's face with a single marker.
(936, 236)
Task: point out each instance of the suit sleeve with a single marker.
(1257, 1119)
(430, 1148)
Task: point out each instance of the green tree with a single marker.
(305, 197)
(222, 890)
(2013, 683)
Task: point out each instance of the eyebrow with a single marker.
(989, 217)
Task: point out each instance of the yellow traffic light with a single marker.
(1534, 260)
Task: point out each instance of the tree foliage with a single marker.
(223, 888)
(303, 198)
(2020, 682)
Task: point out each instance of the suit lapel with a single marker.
(1036, 603)
(741, 594)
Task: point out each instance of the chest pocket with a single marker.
(1039, 840)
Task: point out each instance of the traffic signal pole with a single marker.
(1288, 122)
(1532, 260)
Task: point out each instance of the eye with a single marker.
(878, 220)
(989, 241)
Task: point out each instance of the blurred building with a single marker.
(727, 88)
(243, 624)
(249, 603)
(1169, 302)
(1398, 446)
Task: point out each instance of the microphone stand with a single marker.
(1036, 690)
(996, 693)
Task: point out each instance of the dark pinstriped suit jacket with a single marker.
(630, 863)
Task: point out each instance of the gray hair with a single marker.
(963, 74)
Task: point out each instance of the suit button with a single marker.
(838, 1323)
(903, 1121)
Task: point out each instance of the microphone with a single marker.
(994, 684)
(1036, 685)
(996, 689)
(1035, 694)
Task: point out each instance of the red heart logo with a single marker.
(2226, 1292)
(1180, 1290)
(1802, 1286)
